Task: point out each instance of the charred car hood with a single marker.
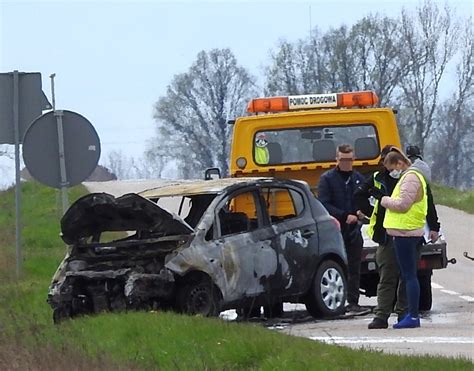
(100, 212)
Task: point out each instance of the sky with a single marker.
(114, 59)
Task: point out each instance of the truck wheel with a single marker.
(327, 294)
(426, 296)
(198, 297)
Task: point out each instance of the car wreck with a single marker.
(201, 247)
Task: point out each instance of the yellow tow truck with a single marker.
(295, 137)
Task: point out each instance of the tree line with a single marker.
(409, 60)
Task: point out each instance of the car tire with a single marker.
(198, 297)
(61, 313)
(327, 295)
(426, 296)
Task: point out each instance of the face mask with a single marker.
(395, 174)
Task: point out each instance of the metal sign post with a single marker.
(62, 161)
(16, 124)
(62, 158)
(21, 101)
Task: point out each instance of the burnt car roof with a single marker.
(99, 212)
(194, 187)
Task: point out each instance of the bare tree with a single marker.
(375, 43)
(341, 63)
(298, 68)
(454, 145)
(283, 76)
(321, 63)
(404, 60)
(119, 164)
(430, 41)
(192, 118)
(129, 167)
(362, 57)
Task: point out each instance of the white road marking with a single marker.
(384, 340)
(450, 292)
(470, 299)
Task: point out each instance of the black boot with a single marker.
(378, 323)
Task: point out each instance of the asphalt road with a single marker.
(447, 330)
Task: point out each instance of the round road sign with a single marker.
(41, 149)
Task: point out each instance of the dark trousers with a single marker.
(390, 288)
(407, 255)
(353, 245)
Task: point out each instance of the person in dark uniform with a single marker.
(335, 191)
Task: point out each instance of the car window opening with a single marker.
(239, 214)
(282, 203)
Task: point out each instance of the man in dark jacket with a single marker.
(389, 288)
(335, 191)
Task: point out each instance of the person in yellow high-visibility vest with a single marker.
(405, 218)
(391, 295)
(262, 156)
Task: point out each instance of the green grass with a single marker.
(141, 340)
(462, 200)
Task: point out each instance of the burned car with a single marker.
(201, 247)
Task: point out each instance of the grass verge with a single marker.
(462, 200)
(140, 340)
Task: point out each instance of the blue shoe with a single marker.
(408, 322)
(401, 316)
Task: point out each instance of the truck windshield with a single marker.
(315, 144)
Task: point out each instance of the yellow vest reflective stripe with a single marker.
(373, 217)
(261, 155)
(415, 216)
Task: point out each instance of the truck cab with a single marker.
(296, 137)
(301, 141)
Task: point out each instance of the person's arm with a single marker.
(361, 196)
(432, 215)
(409, 189)
(324, 196)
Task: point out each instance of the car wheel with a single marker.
(426, 297)
(198, 297)
(327, 295)
(61, 313)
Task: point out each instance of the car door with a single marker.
(249, 257)
(290, 214)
